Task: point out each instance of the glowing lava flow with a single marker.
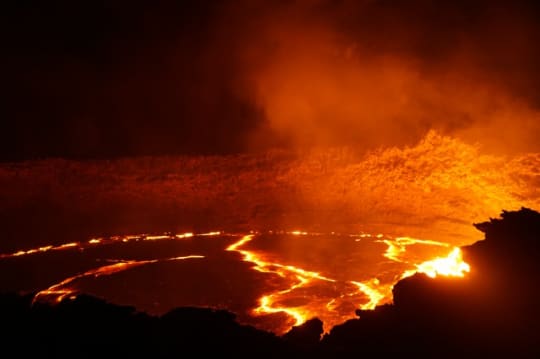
(330, 291)
(95, 241)
(57, 292)
(376, 291)
(267, 303)
(61, 290)
(452, 265)
(397, 248)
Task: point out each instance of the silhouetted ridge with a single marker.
(516, 230)
(305, 337)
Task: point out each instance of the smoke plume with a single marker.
(379, 73)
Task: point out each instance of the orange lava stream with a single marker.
(95, 241)
(299, 277)
(374, 290)
(58, 292)
(397, 248)
(452, 265)
(320, 295)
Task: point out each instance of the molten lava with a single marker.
(452, 265)
(366, 294)
(56, 293)
(298, 278)
(311, 283)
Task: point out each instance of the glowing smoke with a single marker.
(367, 74)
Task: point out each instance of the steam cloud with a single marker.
(378, 73)
(85, 79)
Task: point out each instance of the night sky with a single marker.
(102, 79)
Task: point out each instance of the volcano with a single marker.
(271, 170)
(271, 278)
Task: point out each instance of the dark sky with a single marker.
(98, 79)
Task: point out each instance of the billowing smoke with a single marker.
(378, 73)
(89, 79)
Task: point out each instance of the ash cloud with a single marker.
(128, 78)
(379, 73)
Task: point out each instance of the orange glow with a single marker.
(397, 247)
(154, 238)
(298, 277)
(375, 292)
(57, 292)
(184, 235)
(366, 294)
(44, 249)
(94, 241)
(68, 245)
(303, 292)
(209, 234)
(322, 86)
(451, 266)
